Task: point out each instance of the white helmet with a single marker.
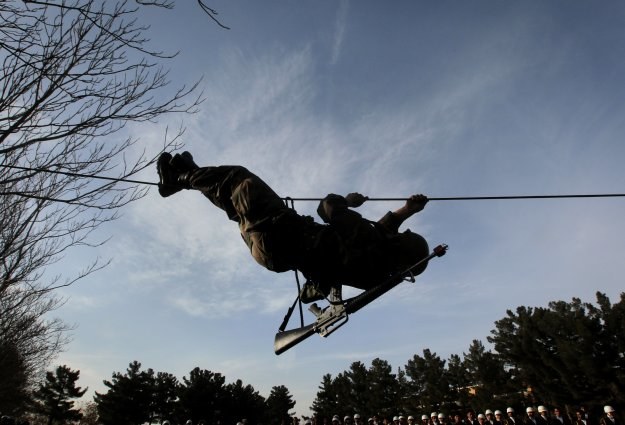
(608, 409)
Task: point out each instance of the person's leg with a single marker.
(245, 197)
(233, 188)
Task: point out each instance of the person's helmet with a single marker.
(407, 249)
(542, 409)
(424, 417)
(608, 409)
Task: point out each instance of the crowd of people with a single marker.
(532, 416)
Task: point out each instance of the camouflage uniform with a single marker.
(347, 250)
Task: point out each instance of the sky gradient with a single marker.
(389, 99)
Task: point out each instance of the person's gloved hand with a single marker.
(416, 203)
(355, 199)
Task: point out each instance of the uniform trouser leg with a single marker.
(237, 191)
(249, 201)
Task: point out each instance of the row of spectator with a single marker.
(532, 416)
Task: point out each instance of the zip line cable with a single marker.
(70, 174)
(481, 198)
(291, 199)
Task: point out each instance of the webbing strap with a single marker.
(289, 202)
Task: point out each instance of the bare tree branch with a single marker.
(75, 74)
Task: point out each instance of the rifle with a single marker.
(337, 314)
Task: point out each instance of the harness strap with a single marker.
(289, 202)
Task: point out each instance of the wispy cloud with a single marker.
(339, 31)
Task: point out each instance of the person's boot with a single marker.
(310, 293)
(314, 292)
(183, 162)
(174, 172)
(167, 176)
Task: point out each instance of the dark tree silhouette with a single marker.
(129, 399)
(54, 399)
(75, 74)
(277, 406)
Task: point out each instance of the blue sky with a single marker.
(389, 99)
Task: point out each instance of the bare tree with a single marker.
(75, 73)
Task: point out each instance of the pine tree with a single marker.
(458, 378)
(54, 398)
(359, 390)
(487, 376)
(129, 398)
(428, 383)
(244, 403)
(278, 405)
(165, 396)
(384, 387)
(324, 404)
(569, 353)
(203, 396)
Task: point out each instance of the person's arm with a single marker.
(413, 205)
(392, 220)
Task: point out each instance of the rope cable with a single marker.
(291, 199)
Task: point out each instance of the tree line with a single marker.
(569, 354)
(140, 396)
